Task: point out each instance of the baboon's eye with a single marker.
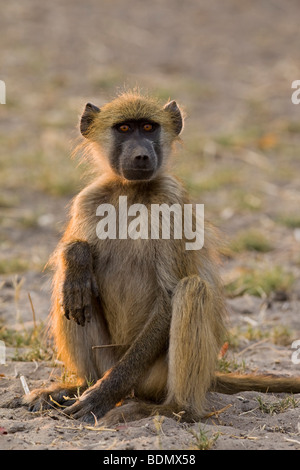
(124, 128)
(148, 127)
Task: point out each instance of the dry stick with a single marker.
(217, 412)
(56, 403)
(80, 427)
(99, 428)
(292, 440)
(251, 346)
(33, 311)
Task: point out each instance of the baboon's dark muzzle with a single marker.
(139, 162)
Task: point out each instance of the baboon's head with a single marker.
(134, 133)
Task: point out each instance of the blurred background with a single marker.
(230, 65)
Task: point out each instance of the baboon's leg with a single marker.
(74, 344)
(153, 384)
(193, 351)
(75, 348)
(53, 397)
(194, 345)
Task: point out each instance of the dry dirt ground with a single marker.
(231, 65)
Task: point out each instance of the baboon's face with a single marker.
(136, 152)
(134, 135)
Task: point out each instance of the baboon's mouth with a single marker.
(134, 174)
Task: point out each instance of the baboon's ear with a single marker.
(176, 115)
(87, 118)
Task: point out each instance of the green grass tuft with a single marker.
(251, 240)
(261, 282)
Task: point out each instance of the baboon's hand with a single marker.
(93, 404)
(76, 296)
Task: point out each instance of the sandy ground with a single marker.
(231, 64)
(247, 420)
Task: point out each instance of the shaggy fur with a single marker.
(154, 311)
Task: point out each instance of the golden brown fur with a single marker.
(160, 306)
(129, 106)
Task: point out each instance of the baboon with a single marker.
(142, 319)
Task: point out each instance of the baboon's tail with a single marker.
(234, 383)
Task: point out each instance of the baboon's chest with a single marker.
(127, 282)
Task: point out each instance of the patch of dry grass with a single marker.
(260, 281)
(251, 240)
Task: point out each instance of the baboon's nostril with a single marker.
(142, 157)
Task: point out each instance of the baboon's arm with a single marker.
(119, 381)
(77, 281)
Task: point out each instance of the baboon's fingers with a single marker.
(78, 316)
(53, 397)
(82, 411)
(87, 406)
(71, 295)
(76, 297)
